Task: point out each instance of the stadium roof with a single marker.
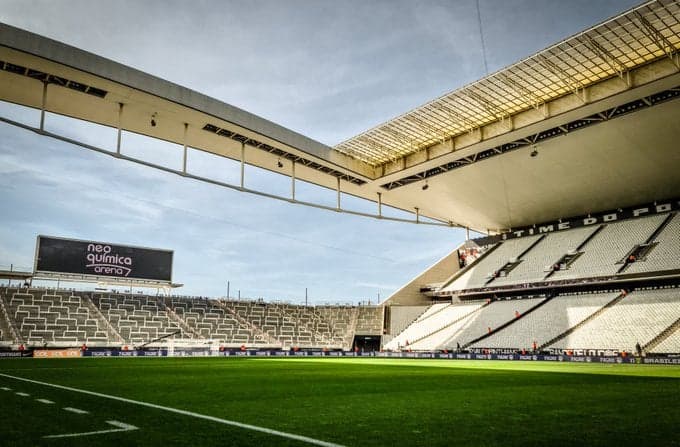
(613, 48)
(599, 108)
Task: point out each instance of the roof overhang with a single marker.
(619, 160)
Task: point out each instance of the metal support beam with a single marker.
(659, 39)
(337, 188)
(379, 205)
(42, 106)
(292, 181)
(243, 164)
(417, 215)
(120, 119)
(612, 61)
(184, 159)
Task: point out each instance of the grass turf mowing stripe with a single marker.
(256, 428)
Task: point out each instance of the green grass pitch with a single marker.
(348, 402)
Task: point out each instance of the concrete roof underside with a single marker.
(609, 142)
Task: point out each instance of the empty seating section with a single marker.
(402, 316)
(670, 345)
(434, 322)
(305, 327)
(603, 252)
(637, 318)
(341, 320)
(369, 320)
(435, 339)
(490, 317)
(209, 320)
(54, 318)
(545, 254)
(666, 252)
(137, 318)
(548, 321)
(433, 309)
(479, 272)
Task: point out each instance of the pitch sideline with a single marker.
(256, 428)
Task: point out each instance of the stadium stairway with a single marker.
(9, 331)
(650, 240)
(172, 315)
(113, 334)
(656, 341)
(506, 324)
(592, 316)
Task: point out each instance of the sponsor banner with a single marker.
(15, 354)
(584, 221)
(96, 259)
(56, 353)
(661, 360)
(71, 353)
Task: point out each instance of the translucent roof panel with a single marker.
(648, 32)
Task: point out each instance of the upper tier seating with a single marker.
(603, 253)
(666, 253)
(545, 254)
(479, 273)
(637, 318)
(548, 321)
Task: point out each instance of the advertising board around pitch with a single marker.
(102, 259)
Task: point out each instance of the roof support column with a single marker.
(184, 158)
(337, 188)
(120, 119)
(417, 214)
(380, 204)
(243, 163)
(292, 181)
(42, 106)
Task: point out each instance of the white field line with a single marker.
(22, 394)
(45, 401)
(121, 427)
(256, 428)
(75, 410)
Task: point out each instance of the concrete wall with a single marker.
(440, 271)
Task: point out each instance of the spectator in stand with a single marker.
(534, 346)
(638, 349)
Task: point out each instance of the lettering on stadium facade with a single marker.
(584, 221)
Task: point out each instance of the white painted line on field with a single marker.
(22, 394)
(256, 428)
(45, 401)
(4, 388)
(75, 410)
(121, 427)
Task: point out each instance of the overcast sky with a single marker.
(326, 69)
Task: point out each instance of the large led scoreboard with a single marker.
(101, 260)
